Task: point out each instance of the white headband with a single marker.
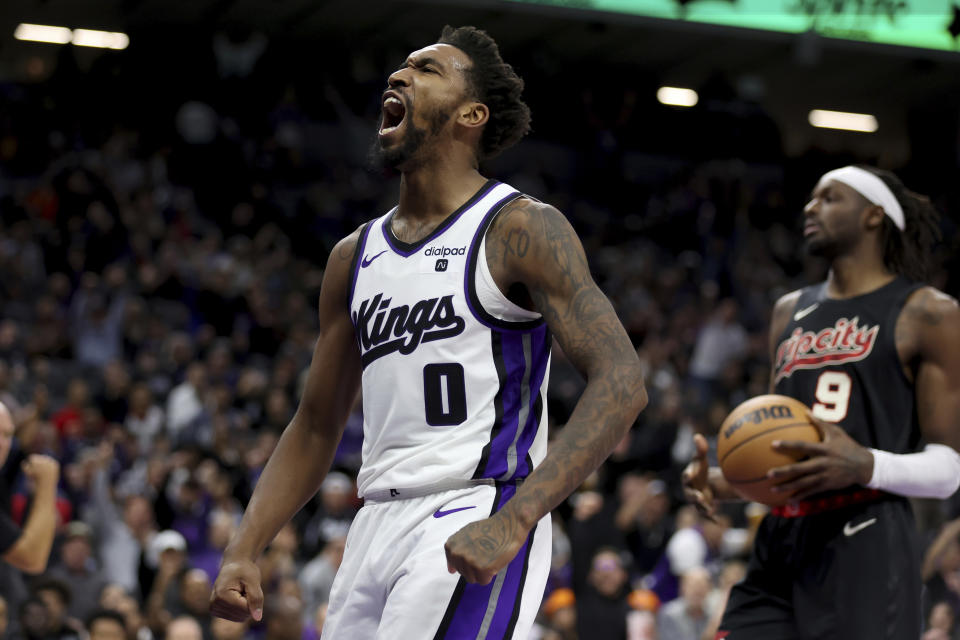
(872, 188)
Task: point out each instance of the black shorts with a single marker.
(845, 574)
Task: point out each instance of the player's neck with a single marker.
(435, 190)
(856, 274)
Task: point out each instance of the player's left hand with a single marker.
(482, 548)
(838, 461)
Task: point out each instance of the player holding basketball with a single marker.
(444, 310)
(875, 355)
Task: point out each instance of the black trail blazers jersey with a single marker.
(839, 358)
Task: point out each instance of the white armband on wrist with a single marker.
(931, 473)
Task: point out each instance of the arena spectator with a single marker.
(644, 517)
(184, 628)
(97, 324)
(317, 576)
(284, 618)
(34, 619)
(721, 341)
(602, 606)
(56, 596)
(122, 533)
(186, 417)
(112, 399)
(77, 568)
(333, 512)
(144, 419)
(133, 618)
(207, 556)
(167, 552)
(687, 617)
(106, 625)
(222, 629)
(560, 614)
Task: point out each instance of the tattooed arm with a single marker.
(928, 335)
(305, 451)
(534, 255)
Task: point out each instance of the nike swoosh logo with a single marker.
(850, 530)
(440, 514)
(803, 313)
(366, 261)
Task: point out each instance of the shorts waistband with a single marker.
(829, 503)
(386, 495)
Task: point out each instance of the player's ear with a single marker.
(473, 114)
(873, 217)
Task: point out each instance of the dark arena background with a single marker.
(167, 207)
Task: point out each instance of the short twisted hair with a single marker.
(494, 83)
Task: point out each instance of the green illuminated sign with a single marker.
(928, 24)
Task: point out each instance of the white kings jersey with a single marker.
(454, 374)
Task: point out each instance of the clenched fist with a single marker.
(42, 470)
(237, 594)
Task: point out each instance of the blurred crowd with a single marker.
(160, 262)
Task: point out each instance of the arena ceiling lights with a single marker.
(677, 96)
(79, 37)
(860, 122)
(927, 24)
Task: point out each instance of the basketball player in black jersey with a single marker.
(875, 355)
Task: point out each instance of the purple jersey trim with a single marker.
(413, 248)
(355, 267)
(540, 353)
(469, 278)
(512, 359)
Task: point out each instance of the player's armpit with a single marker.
(934, 318)
(540, 250)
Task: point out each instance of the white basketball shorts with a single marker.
(394, 584)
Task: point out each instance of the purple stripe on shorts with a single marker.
(468, 618)
(514, 363)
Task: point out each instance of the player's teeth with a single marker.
(388, 129)
(391, 99)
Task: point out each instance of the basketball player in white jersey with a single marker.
(444, 309)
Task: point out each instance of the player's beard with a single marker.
(829, 246)
(820, 247)
(409, 153)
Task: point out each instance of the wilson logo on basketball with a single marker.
(846, 341)
(756, 417)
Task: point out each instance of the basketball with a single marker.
(744, 443)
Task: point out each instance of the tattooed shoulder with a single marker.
(928, 307)
(510, 236)
(927, 314)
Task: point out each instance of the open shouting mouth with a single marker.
(393, 113)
